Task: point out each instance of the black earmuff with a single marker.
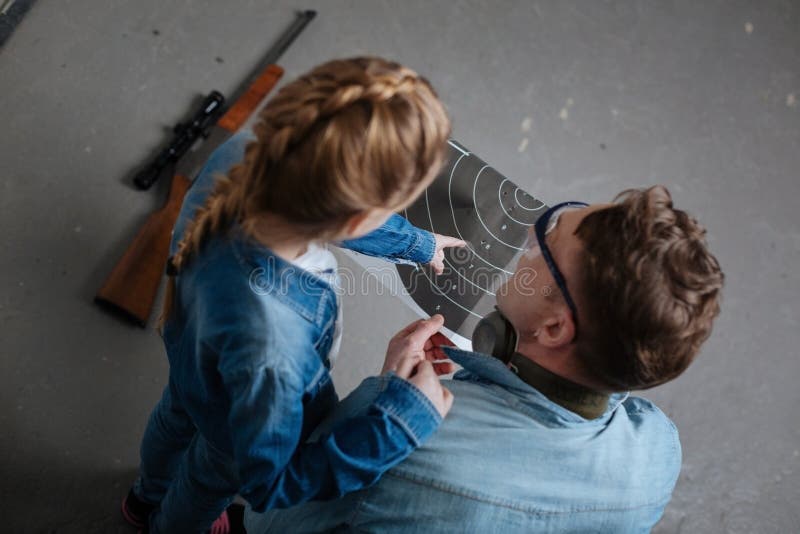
(495, 335)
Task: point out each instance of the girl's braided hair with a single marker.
(348, 136)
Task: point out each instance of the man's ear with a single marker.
(557, 331)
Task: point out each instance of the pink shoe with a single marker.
(222, 525)
(136, 511)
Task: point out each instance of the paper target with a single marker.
(472, 201)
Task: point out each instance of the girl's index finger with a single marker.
(450, 241)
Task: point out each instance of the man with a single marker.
(606, 298)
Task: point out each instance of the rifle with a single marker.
(132, 287)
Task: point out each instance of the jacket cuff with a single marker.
(423, 247)
(409, 408)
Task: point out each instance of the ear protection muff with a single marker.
(495, 335)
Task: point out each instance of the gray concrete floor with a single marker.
(700, 96)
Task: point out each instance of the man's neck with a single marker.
(584, 401)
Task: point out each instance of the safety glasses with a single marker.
(543, 226)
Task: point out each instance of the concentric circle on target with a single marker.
(517, 204)
(500, 204)
(474, 202)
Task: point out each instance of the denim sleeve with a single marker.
(356, 403)
(278, 471)
(397, 240)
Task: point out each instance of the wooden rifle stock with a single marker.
(132, 287)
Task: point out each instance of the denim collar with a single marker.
(489, 369)
(269, 274)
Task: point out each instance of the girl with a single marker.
(250, 331)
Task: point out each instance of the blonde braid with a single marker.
(222, 208)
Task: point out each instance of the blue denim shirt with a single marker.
(507, 459)
(247, 347)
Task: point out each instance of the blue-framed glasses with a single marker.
(543, 226)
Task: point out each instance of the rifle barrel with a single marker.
(277, 50)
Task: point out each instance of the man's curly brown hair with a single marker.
(649, 290)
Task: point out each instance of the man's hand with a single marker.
(421, 340)
(443, 242)
(413, 355)
(434, 353)
(422, 375)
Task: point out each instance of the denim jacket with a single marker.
(247, 347)
(507, 460)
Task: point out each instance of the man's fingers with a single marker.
(423, 325)
(447, 399)
(428, 382)
(425, 370)
(406, 366)
(441, 340)
(433, 347)
(444, 368)
(435, 354)
(425, 330)
(409, 328)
